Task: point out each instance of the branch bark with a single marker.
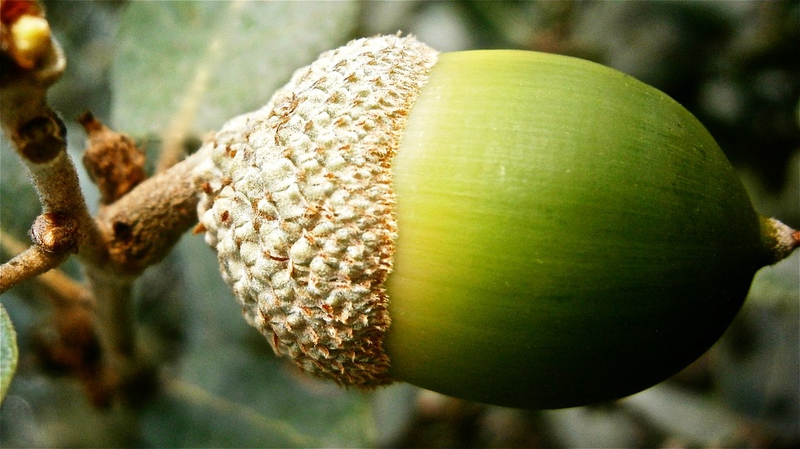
(143, 226)
(138, 224)
(28, 264)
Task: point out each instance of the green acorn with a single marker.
(509, 227)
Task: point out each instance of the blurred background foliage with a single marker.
(149, 68)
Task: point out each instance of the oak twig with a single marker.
(138, 224)
(60, 288)
(141, 227)
(30, 263)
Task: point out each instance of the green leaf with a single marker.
(191, 66)
(8, 352)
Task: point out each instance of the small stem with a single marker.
(60, 288)
(28, 264)
(780, 239)
(41, 143)
(140, 229)
(142, 226)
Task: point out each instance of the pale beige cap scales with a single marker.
(299, 205)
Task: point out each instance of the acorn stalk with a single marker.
(510, 227)
(778, 239)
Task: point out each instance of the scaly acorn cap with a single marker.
(299, 206)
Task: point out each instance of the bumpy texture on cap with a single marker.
(299, 205)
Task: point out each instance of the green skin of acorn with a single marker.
(567, 234)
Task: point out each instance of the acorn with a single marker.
(510, 227)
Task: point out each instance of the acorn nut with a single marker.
(509, 227)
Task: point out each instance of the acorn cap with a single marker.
(299, 206)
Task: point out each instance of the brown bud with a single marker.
(55, 232)
(113, 160)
